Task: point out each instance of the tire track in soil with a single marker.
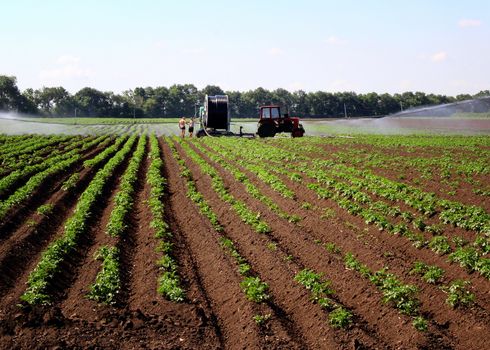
(217, 274)
(48, 188)
(354, 292)
(26, 243)
(308, 320)
(432, 303)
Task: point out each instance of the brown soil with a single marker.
(216, 313)
(370, 247)
(52, 185)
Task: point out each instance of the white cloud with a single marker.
(275, 51)
(438, 56)
(68, 67)
(466, 22)
(335, 40)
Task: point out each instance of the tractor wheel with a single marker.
(299, 132)
(266, 130)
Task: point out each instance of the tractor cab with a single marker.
(272, 122)
(270, 112)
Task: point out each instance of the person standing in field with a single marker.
(182, 123)
(191, 126)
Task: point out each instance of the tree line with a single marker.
(181, 100)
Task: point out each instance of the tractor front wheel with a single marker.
(299, 132)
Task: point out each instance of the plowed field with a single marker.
(315, 243)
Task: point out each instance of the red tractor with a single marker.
(271, 122)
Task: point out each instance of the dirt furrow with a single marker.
(140, 274)
(48, 188)
(25, 244)
(82, 268)
(388, 249)
(309, 321)
(140, 255)
(395, 249)
(331, 230)
(217, 274)
(354, 292)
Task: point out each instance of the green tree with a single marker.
(10, 95)
(54, 101)
(92, 103)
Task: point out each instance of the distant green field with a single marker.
(465, 124)
(111, 121)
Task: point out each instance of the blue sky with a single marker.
(371, 45)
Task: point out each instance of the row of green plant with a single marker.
(249, 186)
(450, 167)
(27, 190)
(254, 289)
(106, 153)
(321, 292)
(107, 284)
(8, 182)
(465, 216)
(124, 197)
(471, 218)
(347, 197)
(472, 258)
(108, 281)
(339, 316)
(424, 202)
(245, 214)
(34, 144)
(169, 282)
(192, 191)
(7, 141)
(38, 156)
(48, 268)
(260, 171)
(11, 143)
(401, 296)
(457, 291)
(344, 194)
